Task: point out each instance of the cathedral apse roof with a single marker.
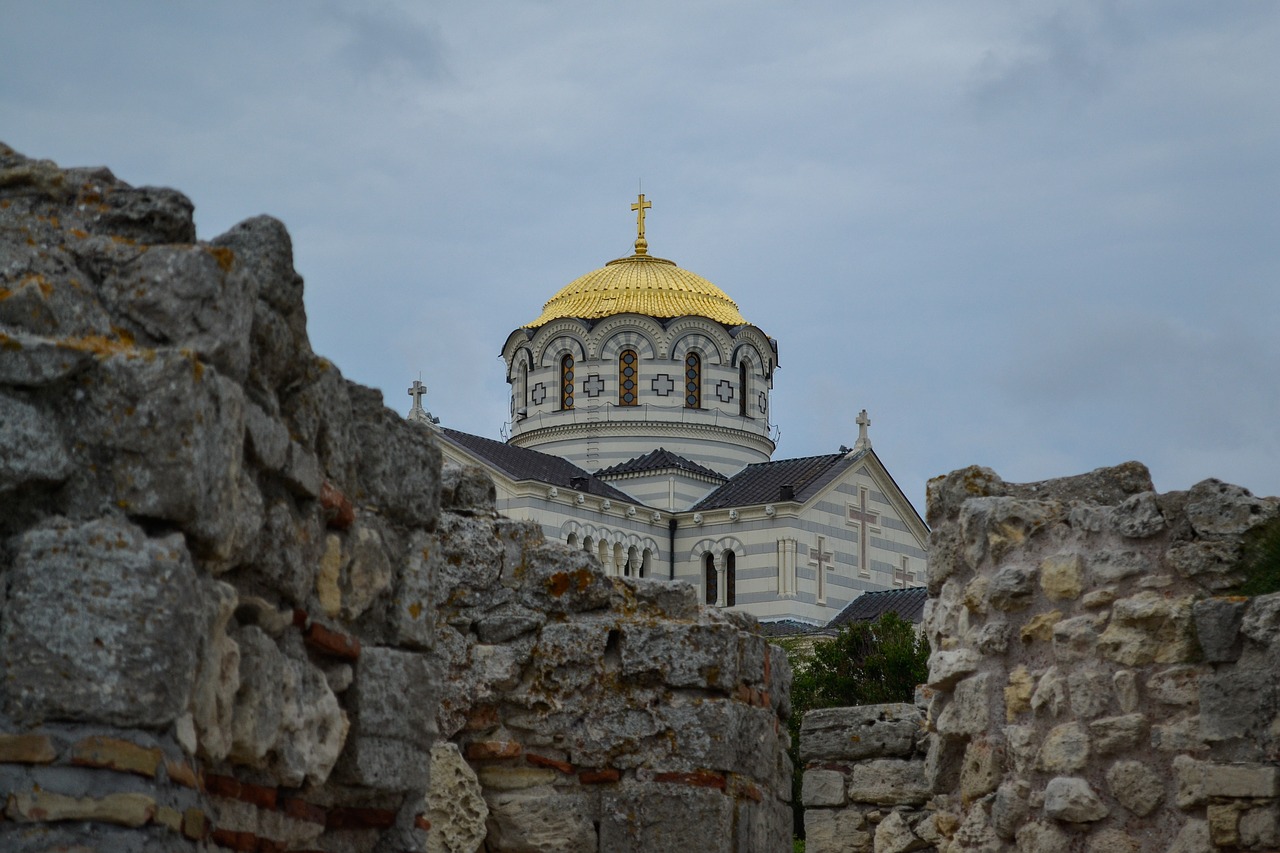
(520, 463)
(659, 460)
(767, 482)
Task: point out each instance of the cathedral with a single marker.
(641, 431)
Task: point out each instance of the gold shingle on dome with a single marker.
(640, 284)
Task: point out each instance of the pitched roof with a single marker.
(907, 603)
(658, 460)
(785, 628)
(762, 482)
(520, 463)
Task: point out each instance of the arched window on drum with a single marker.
(566, 382)
(693, 381)
(628, 378)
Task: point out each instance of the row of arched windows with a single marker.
(629, 381)
(616, 559)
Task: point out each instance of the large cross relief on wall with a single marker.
(866, 520)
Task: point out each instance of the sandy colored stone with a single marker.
(1071, 799)
(1136, 786)
(1017, 694)
(1065, 749)
(1040, 627)
(120, 809)
(454, 803)
(1062, 577)
(328, 574)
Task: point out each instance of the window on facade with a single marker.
(628, 378)
(692, 381)
(709, 578)
(744, 379)
(566, 382)
(524, 383)
(730, 578)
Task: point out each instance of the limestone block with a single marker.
(383, 764)
(368, 574)
(560, 581)
(1217, 622)
(1136, 786)
(571, 654)
(469, 562)
(865, 731)
(1181, 734)
(119, 809)
(975, 833)
(822, 788)
(1148, 628)
(1114, 841)
(399, 471)
(33, 361)
(1139, 516)
(1177, 685)
(466, 489)
(540, 819)
(1075, 639)
(700, 740)
(975, 594)
(641, 818)
(1096, 599)
(1051, 692)
(1217, 509)
(1214, 564)
(948, 667)
(393, 696)
(969, 711)
(992, 639)
(983, 768)
(1010, 807)
(836, 831)
(1065, 748)
(1192, 838)
(1260, 828)
(502, 778)
(1261, 621)
(187, 296)
(1125, 683)
(1041, 837)
(1013, 587)
(894, 835)
(681, 655)
(268, 438)
(888, 782)
(943, 762)
(1090, 693)
(1107, 566)
(1071, 799)
(1224, 823)
(412, 611)
(313, 727)
(765, 825)
(217, 676)
(1018, 692)
(1040, 627)
(1111, 735)
(98, 625)
(1189, 775)
(1236, 702)
(1062, 576)
(454, 803)
(31, 446)
(1241, 780)
(507, 622)
(259, 702)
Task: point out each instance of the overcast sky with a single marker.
(1042, 237)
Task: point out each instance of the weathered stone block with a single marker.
(641, 818)
(1111, 735)
(948, 667)
(1071, 799)
(1065, 748)
(1236, 702)
(31, 447)
(1090, 693)
(1062, 576)
(1148, 628)
(969, 712)
(1075, 639)
(1138, 517)
(98, 625)
(1240, 780)
(1217, 509)
(1217, 622)
(1010, 807)
(1012, 587)
(867, 731)
(837, 831)
(454, 803)
(1136, 786)
(888, 782)
(822, 788)
(681, 655)
(1178, 685)
(983, 768)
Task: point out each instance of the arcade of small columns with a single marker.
(616, 558)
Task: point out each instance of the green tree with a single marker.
(867, 663)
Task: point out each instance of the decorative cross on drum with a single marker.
(539, 393)
(663, 384)
(593, 385)
(861, 516)
(724, 391)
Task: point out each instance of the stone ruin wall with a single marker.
(1093, 687)
(241, 602)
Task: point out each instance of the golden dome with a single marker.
(640, 284)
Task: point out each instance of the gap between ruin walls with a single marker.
(236, 615)
(1094, 685)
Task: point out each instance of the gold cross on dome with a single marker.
(642, 245)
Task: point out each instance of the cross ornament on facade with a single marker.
(902, 577)
(642, 245)
(823, 560)
(861, 516)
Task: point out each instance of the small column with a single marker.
(721, 591)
